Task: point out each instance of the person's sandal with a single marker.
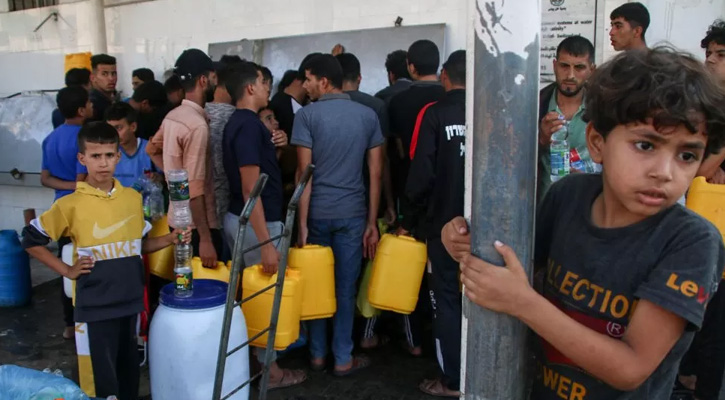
(435, 387)
(69, 333)
(358, 363)
(317, 367)
(290, 377)
(374, 342)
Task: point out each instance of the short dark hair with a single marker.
(77, 77)
(397, 63)
(325, 66)
(70, 99)
(230, 59)
(241, 76)
(173, 84)
(289, 76)
(301, 69)
(102, 59)
(715, 33)
(144, 74)
(424, 55)
(267, 74)
(121, 110)
(578, 46)
(350, 66)
(670, 87)
(634, 13)
(456, 67)
(222, 73)
(98, 132)
(153, 91)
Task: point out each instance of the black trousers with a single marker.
(65, 300)
(445, 298)
(706, 356)
(114, 357)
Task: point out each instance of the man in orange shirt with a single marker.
(182, 142)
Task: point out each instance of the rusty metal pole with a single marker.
(503, 92)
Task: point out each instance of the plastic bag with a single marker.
(18, 383)
(363, 305)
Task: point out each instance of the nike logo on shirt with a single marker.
(102, 233)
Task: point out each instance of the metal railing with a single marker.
(238, 265)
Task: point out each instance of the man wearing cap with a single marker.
(182, 142)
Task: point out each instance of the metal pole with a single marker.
(284, 246)
(97, 23)
(237, 267)
(502, 87)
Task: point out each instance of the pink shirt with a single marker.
(184, 138)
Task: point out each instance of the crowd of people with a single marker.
(626, 273)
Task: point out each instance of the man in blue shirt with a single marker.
(61, 169)
(134, 160)
(248, 151)
(337, 134)
(74, 77)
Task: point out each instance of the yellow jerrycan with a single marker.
(398, 269)
(258, 311)
(708, 200)
(316, 265)
(161, 263)
(222, 272)
(77, 60)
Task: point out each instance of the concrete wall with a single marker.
(14, 199)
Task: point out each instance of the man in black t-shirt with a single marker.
(435, 192)
(627, 272)
(423, 61)
(248, 151)
(103, 79)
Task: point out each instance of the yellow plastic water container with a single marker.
(222, 272)
(316, 265)
(708, 200)
(161, 263)
(258, 311)
(77, 60)
(398, 270)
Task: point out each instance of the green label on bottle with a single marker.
(179, 190)
(184, 281)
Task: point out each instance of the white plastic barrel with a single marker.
(67, 257)
(184, 343)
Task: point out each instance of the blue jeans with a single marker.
(345, 237)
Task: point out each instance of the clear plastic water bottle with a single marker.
(156, 202)
(180, 218)
(581, 161)
(559, 153)
(180, 214)
(184, 278)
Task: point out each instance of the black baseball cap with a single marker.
(192, 63)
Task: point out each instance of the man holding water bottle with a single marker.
(562, 102)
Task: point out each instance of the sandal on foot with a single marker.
(290, 377)
(69, 333)
(317, 367)
(374, 342)
(435, 387)
(358, 363)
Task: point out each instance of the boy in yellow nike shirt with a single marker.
(106, 225)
